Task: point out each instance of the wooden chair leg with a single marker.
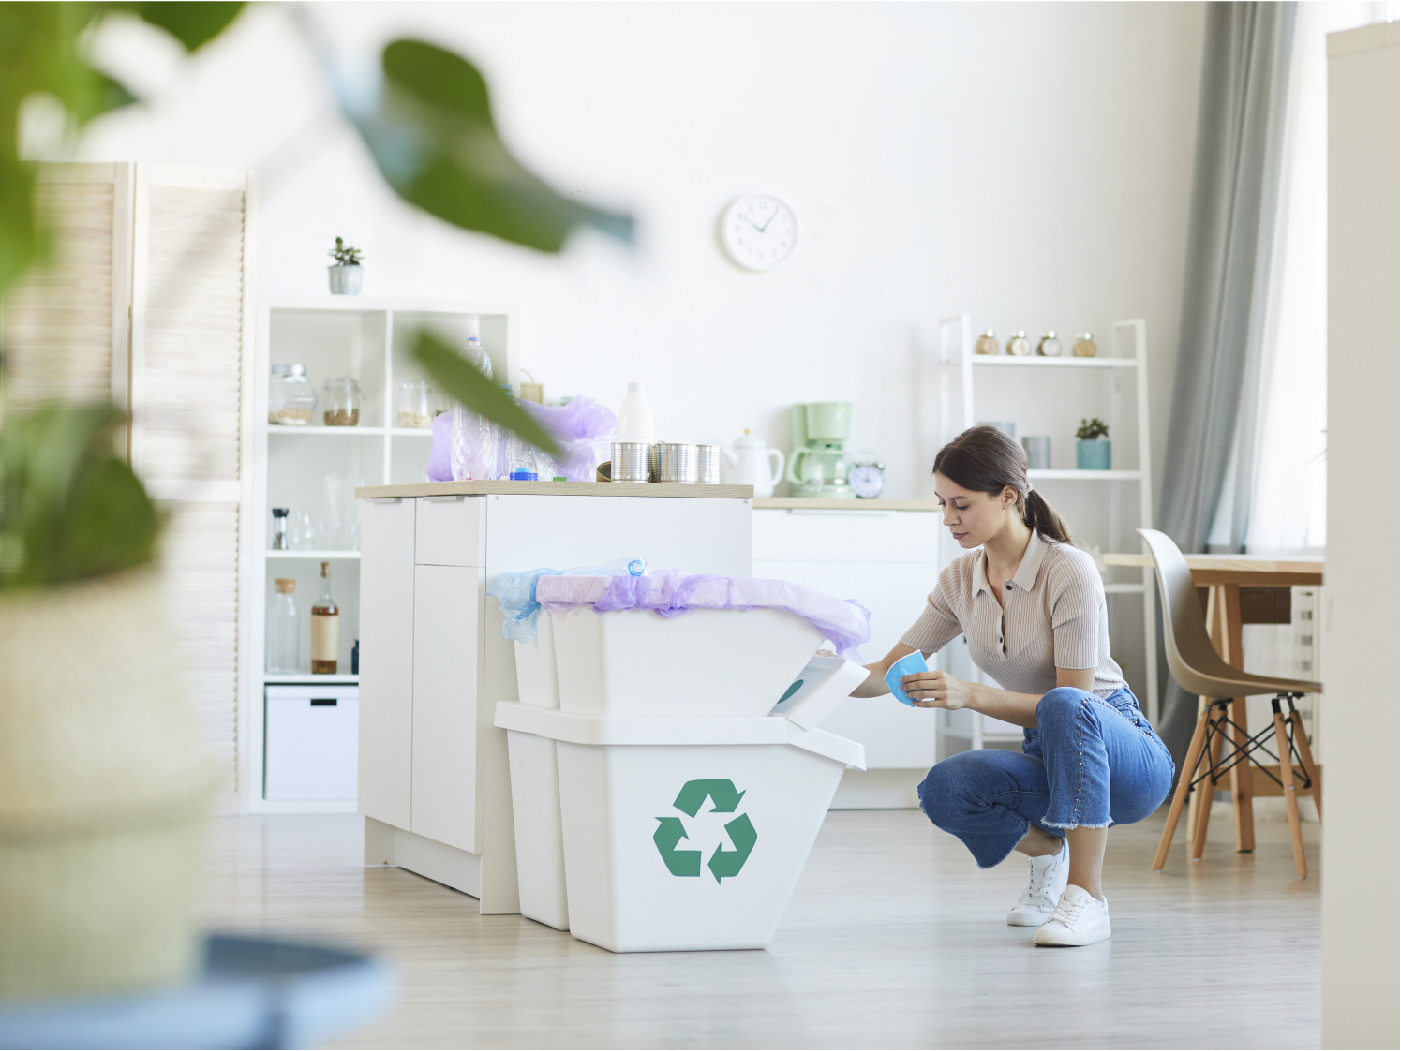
(1242, 785)
(1301, 740)
(1215, 739)
(1291, 797)
(1184, 781)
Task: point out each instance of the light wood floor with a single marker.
(893, 939)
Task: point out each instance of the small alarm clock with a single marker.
(867, 476)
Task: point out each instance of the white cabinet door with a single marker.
(447, 618)
(888, 563)
(386, 659)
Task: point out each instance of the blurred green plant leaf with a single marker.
(462, 380)
(69, 509)
(431, 132)
(42, 53)
(193, 24)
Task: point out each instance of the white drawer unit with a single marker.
(310, 742)
(449, 532)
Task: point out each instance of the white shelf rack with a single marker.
(1037, 362)
(1128, 351)
(367, 339)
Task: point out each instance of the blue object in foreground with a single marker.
(910, 664)
(251, 992)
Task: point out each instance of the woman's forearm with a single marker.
(1016, 708)
(874, 685)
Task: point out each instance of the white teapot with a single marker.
(749, 459)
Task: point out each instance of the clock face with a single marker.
(759, 231)
(867, 481)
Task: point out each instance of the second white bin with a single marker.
(535, 787)
(678, 833)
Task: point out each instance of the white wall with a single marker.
(1027, 163)
(1362, 619)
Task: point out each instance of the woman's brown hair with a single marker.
(985, 460)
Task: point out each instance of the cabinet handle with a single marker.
(443, 499)
(385, 499)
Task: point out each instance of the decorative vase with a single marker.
(104, 786)
(1038, 452)
(1092, 454)
(346, 280)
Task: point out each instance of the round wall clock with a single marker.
(759, 231)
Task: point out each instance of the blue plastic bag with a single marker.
(910, 664)
(515, 594)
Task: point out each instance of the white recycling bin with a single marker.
(635, 663)
(683, 833)
(535, 787)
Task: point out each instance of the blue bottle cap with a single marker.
(637, 567)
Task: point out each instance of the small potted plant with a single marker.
(347, 275)
(1092, 445)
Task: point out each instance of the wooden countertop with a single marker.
(655, 490)
(796, 503)
(1245, 570)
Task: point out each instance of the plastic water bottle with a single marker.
(635, 416)
(473, 351)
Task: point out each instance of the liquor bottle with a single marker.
(325, 622)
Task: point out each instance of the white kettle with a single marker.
(750, 464)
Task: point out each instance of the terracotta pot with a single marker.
(104, 784)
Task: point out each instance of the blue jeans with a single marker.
(1091, 761)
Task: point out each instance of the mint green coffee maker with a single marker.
(818, 466)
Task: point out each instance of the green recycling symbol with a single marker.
(671, 832)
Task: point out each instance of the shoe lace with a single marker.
(1068, 911)
(1037, 882)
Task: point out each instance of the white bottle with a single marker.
(635, 417)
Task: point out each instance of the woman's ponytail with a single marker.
(1041, 518)
(985, 460)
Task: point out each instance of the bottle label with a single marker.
(324, 637)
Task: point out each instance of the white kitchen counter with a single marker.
(434, 780)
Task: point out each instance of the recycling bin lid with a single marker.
(575, 728)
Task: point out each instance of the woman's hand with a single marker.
(937, 689)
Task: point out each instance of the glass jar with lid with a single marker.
(343, 401)
(416, 404)
(291, 400)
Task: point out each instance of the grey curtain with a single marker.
(1230, 235)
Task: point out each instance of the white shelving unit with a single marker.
(1062, 388)
(368, 340)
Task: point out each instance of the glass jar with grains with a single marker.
(416, 404)
(342, 403)
(291, 400)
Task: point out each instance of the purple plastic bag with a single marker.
(583, 429)
(439, 468)
(671, 593)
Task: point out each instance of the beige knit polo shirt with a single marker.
(1053, 615)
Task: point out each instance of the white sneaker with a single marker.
(1045, 882)
(1079, 919)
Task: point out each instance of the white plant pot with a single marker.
(346, 280)
(104, 784)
